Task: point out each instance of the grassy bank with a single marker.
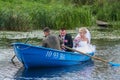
(24, 15)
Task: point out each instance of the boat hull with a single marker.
(37, 56)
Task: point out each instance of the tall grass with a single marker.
(108, 10)
(24, 14)
(58, 16)
(36, 14)
(14, 17)
(13, 20)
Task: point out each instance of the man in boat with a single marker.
(50, 40)
(66, 38)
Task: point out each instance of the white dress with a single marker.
(84, 47)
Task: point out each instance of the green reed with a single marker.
(36, 14)
(24, 15)
(107, 10)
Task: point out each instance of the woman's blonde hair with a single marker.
(83, 29)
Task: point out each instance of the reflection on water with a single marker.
(84, 69)
(96, 70)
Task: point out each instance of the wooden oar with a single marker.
(15, 55)
(94, 57)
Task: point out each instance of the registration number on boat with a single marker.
(55, 55)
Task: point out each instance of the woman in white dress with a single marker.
(82, 41)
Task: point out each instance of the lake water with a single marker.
(108, 49)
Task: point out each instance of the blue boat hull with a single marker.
(37, 56)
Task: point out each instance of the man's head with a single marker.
(46, 31)
(62, 32)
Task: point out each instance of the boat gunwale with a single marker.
(40, 47)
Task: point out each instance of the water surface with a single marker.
(107, 49)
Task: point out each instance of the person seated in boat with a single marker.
(82, 41)
(50, 40)
(87, 35)
(66, 38)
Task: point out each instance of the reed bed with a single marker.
(25, 15)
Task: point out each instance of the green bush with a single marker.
(107, 10)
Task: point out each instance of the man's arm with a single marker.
(44, 43)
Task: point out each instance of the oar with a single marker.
(15, 55)
(94, 57)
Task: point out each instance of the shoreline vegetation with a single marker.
(38, 34)
(26, 15)
(35, 36)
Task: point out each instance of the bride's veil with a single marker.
(88, 35)
(90, 47)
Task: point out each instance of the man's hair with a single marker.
(46, 29)
(62, 29)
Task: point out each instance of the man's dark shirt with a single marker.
(68, 41)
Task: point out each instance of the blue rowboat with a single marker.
(37, 56)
